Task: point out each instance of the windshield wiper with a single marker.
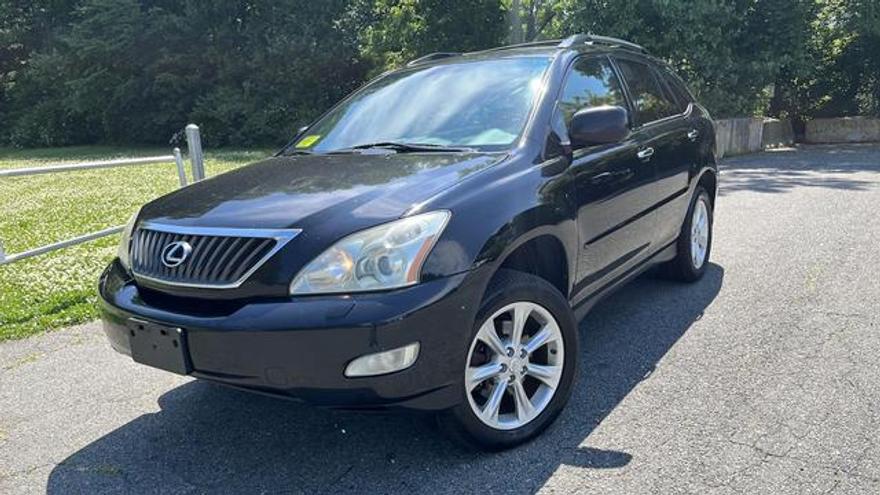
(401, 147)
(298, 152)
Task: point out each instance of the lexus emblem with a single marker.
(175, 253)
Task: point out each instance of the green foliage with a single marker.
(532, 19)
(728, 51)
(846, 55)
(252, 71)
(136, 71)
(271, 67)
(396, 31)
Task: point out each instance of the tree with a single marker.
(251, 71)
(845, 79)
(137, 71)
(26, 27)
(731, 52)
(529, 20)
(395, 31)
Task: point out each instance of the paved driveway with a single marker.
(762, 378)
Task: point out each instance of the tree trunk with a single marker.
(514, 20)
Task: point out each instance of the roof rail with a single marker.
(526, 44)
(432, 56)
(575, 39)
(578, 39)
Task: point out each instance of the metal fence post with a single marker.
(194, 143)
(198, 171)
(181, 171)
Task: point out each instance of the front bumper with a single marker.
(299, 347)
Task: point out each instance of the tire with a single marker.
(685, 267)
(511, 293)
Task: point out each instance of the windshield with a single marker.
(476, 104)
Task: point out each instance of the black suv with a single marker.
(431, 241)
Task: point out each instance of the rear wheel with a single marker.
(520, 364)
(694, 242)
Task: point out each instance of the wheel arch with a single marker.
(709, 180)
(543, 256)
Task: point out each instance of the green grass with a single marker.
(59, 289)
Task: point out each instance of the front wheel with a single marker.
(520, 365)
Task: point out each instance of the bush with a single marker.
(251, 71)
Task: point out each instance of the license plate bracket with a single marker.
(159, 346)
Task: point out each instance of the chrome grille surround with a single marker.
(222, 258)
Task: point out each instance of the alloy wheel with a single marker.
(514, 365)
(699, 233)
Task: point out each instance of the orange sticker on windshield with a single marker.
(308, 141)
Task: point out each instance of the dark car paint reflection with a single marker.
(283, 191)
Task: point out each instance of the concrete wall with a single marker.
(843, 130)
(777, 134)
(750, 135)
(753, 134)
(738, 136)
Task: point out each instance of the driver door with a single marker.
(611, 184)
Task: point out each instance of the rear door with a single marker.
(674, 179)
(611, 183)
(661, 130)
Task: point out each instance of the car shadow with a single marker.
(208, 438)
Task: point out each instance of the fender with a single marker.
(516, 202)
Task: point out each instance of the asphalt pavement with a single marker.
(762, 378)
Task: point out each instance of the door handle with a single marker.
(693, 135)
(600, 178)
(645, 154)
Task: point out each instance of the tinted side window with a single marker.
(591, 83)
(650, 100)
(682, 96)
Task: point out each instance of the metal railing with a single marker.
(194, 146)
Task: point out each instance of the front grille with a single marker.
(216, 258)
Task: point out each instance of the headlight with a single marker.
(383, 257)
(124, 242)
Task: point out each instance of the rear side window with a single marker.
(650, 100)
(591, 83)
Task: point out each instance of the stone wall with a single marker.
(777, 134)
(738, 136)
(750, 135)
(843, 130)
(753, 134)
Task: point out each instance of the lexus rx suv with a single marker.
(432, 240)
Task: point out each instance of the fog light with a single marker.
(384, 362)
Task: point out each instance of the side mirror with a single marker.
(598, 125)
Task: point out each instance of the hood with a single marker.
(294, 191)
